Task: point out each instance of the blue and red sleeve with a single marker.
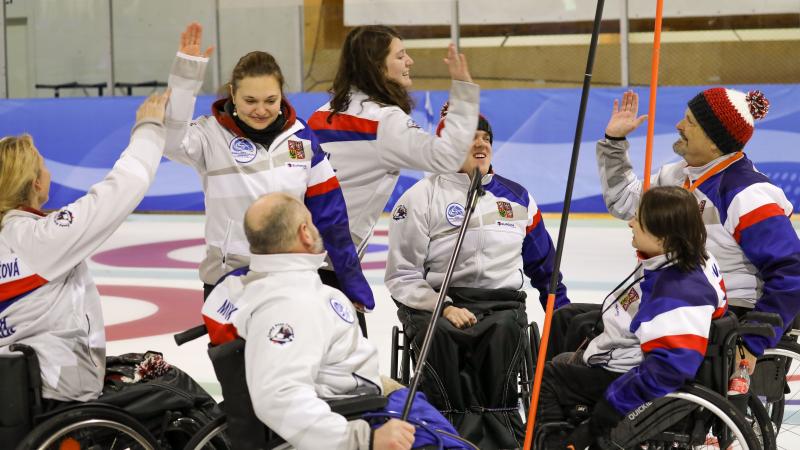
(329, 213)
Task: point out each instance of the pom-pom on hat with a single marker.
(483, 123)
(727, 115)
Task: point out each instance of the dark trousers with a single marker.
(571, 325)
(566, 384)
(471, 373)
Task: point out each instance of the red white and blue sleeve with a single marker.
(329, 212)
(758, 218)
(538, 257)
(672, 329)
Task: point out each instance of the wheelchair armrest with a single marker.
(763, 317)
(34, 374)
(354, 407)
(757, 329)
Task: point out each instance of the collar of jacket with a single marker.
(696, 172)
(463, 178)
(225, 119)
(654, 262)
(24, 211)
(287, 262)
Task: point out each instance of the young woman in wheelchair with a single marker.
(48, 300)
(479, 345)
(656, 322)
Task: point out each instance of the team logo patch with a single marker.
(455, 214)
(281, 334)
(412, 124)
(702, 206)
(6, 330)
(243, 150)
(504, 208)
(629, 299)
(400, 213)
(296, 150)
(342, 311)
(63, 218)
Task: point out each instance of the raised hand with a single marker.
(623, 117)
(191, 39)
(154, 107)
(457, 64)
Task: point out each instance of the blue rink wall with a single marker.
(533, 134)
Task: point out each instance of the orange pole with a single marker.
(651, 113)
(540, 361)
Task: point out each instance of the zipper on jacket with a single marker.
(224, 248)
(88, 336)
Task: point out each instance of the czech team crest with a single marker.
(296, 150)
(504, 208)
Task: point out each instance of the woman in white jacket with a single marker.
(368, 133)
(48, 299)
(252, 144)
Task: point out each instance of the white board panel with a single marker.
(472, 12)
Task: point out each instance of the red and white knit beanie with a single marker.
(727, 116)
(483, 123)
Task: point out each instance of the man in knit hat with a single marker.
(471, 368)
(746, 215)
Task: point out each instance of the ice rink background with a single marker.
(147, 275)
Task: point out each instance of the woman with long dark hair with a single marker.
(368, 133)
(656, 322)
(251, 145)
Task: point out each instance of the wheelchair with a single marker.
(91, 425)
(403, 359)
(114, 421)
(699, 415)
(239, 428)
(776, 371)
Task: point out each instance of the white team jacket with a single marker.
(303, 345)
(369, 143)
(505, 235)
(622, 191)
(48, 300)
(234, 170)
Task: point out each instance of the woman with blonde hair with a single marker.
(48, 300)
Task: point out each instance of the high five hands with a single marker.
(623, 117)
(457, 64)
(191, 39)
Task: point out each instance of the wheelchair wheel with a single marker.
(785, 410)
(759, 420)
(211, 436)
(692, 418)
(89, 428)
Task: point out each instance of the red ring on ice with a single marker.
(153, 256)
(178, 310)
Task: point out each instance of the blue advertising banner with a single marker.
(533, 133)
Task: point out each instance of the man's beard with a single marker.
(679, 147)
(317, 246)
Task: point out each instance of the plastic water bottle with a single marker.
(739, 382)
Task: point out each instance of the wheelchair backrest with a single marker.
(20, 390)
(716, 366)
(243, 424)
